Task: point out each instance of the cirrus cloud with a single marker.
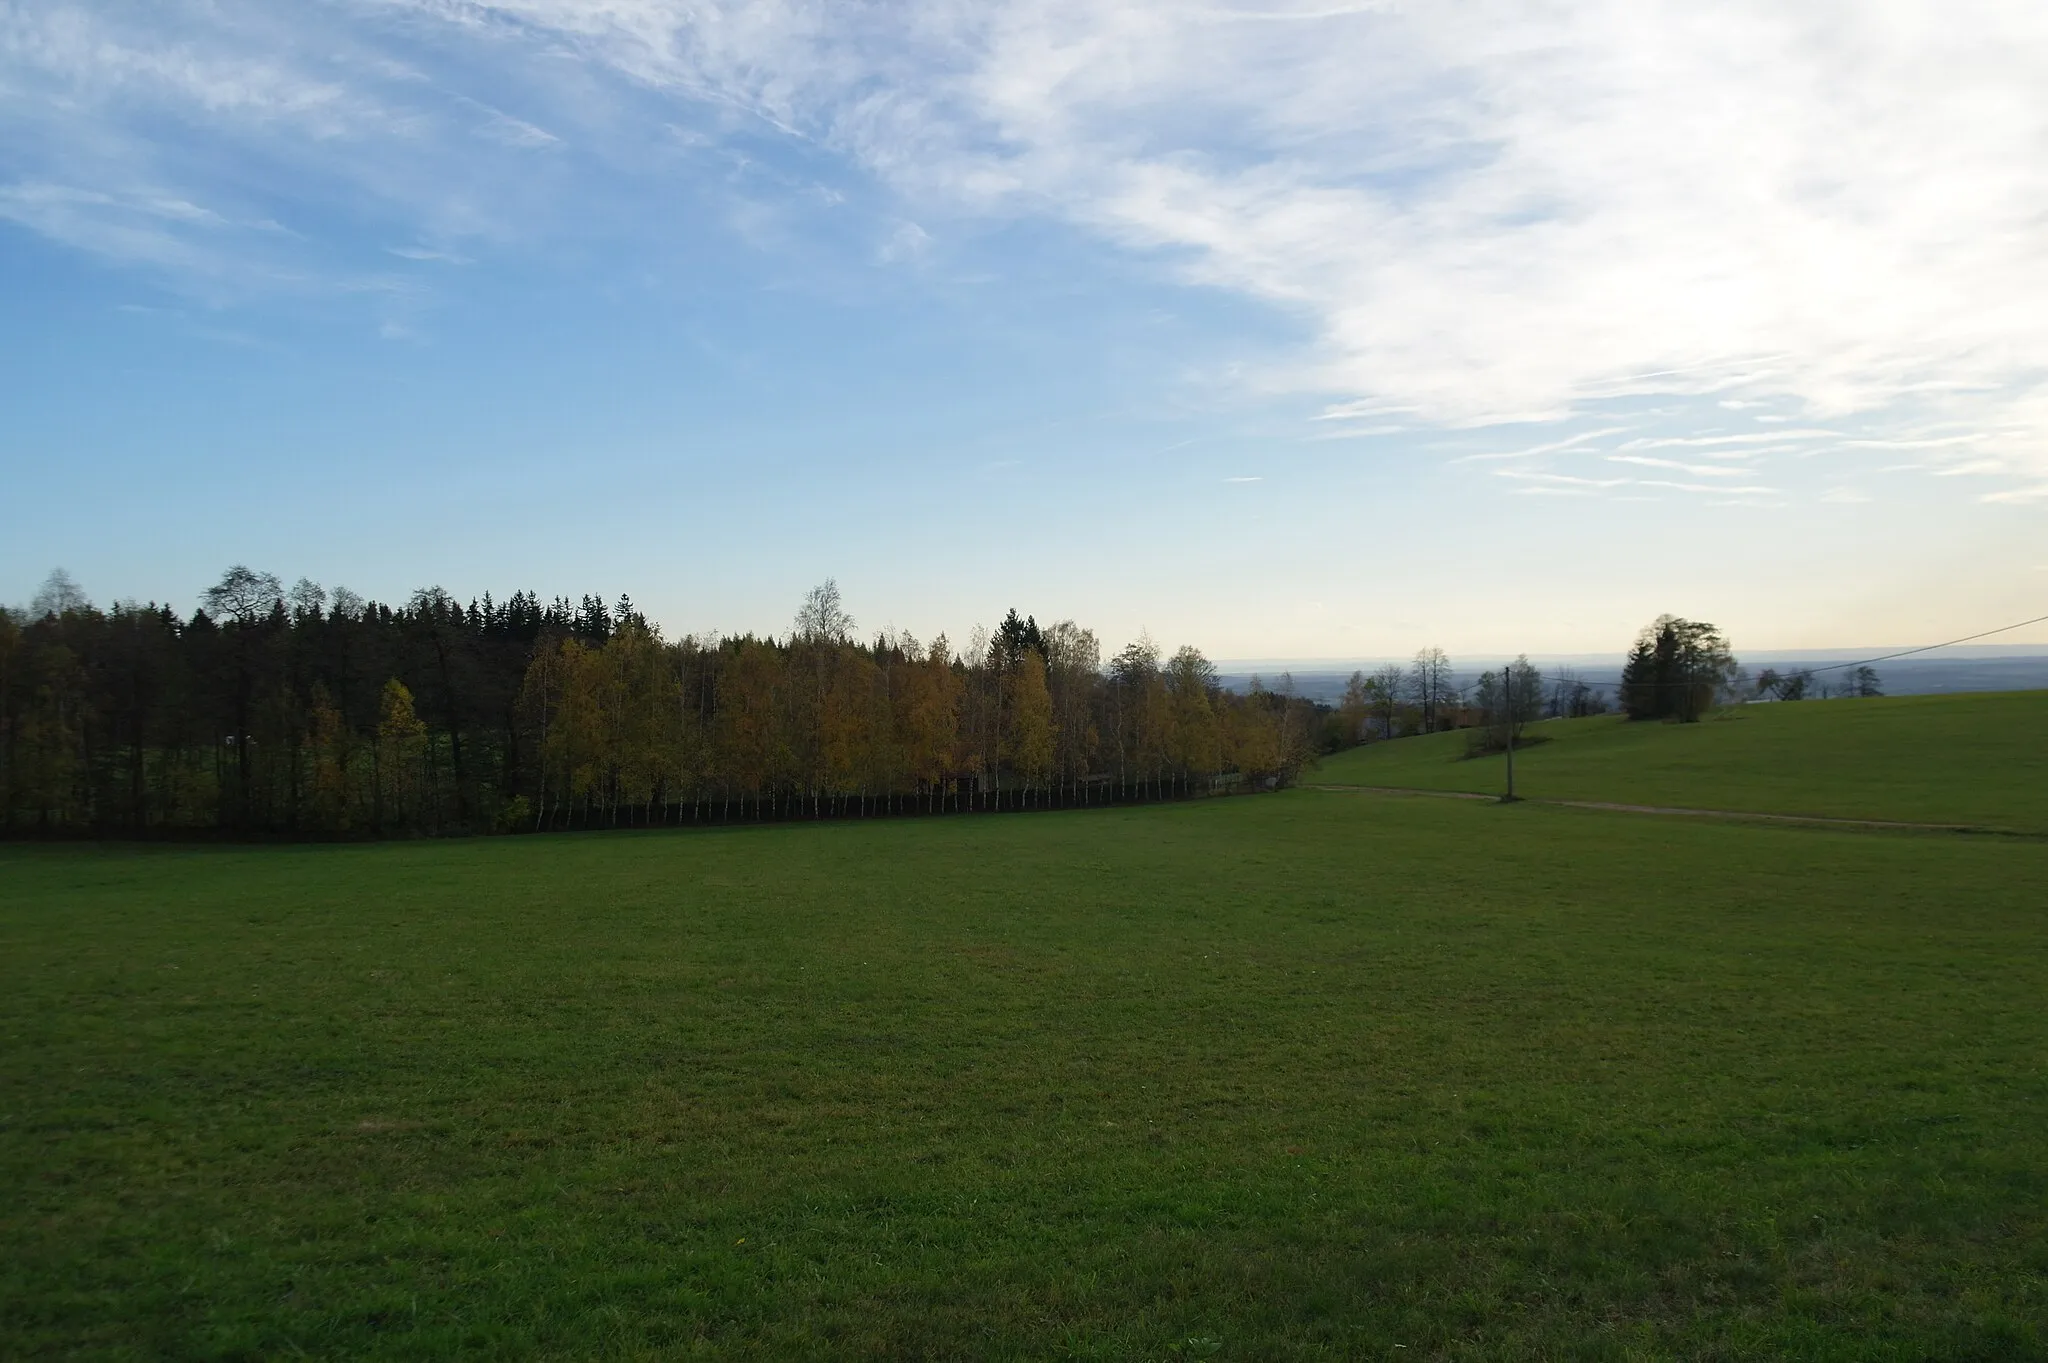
(1824, 217)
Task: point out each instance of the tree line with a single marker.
(1424, 696)
(1677, 670)
(304, 712)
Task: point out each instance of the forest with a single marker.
(303, 713)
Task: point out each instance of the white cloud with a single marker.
(1696, 470)
(1563, 479)
(1713, 489)
(2037, 492)
(1549, 447)
(1491, 212)
(1479, 213)
(1752, 438)
(427, 255)
(906, 242)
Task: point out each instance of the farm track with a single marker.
(1820, 820)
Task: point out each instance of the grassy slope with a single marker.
(1972, 759)
(1306, 1075)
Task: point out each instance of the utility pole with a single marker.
(1507, 690)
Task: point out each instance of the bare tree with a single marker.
(1387, 685)
(1429, 682)
(822, 618)
(58, 594)
(1507, 701)
(307, 598)
(1571, 698)
(243, 595)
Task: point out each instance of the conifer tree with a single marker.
(1677, 669)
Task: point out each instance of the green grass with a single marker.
(1310, 1075)
(1980, 760)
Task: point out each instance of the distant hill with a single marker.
(1934, 674)
(1979, 759)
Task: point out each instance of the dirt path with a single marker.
(1823, 820)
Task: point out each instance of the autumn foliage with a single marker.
(296, 714)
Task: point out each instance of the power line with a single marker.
(1928, 648)
(1831, 667)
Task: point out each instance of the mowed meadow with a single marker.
(1976, 760)
(1315, 1074)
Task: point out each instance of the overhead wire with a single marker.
(1831, 667)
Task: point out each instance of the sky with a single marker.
(1310, 330)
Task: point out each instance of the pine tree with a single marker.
(1677, 669)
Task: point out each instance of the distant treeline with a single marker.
(314, 714)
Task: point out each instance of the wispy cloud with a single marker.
(1552, 447)
(1747, 438)
(2037, 492)
(1829, 211)
(1696, 470)
(1711, 489)
(1561, 479)
(424, 254)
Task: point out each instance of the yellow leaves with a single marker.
(610, 717)
(1029, 740)
(401, 753)
(332, 806)
(397, 722)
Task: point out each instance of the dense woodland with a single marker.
(305, 713)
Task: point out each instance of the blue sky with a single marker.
(1289, 331)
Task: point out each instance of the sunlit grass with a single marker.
(1304, 1075)
(1979, 760)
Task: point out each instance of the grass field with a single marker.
(1307, 1075)
(1979, 760)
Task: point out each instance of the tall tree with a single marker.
(1354, 711)
(1572, 698)
(1507, 701)
(1387, 686)
(59, 595)
(1430, 685)
(325, 714)
(822, 617)
(241, 602)
(1677, 669)
(1073, 664)
(931, 701)
(1032, 737)
(1195, 742)
(11, 660)
(401, 751)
